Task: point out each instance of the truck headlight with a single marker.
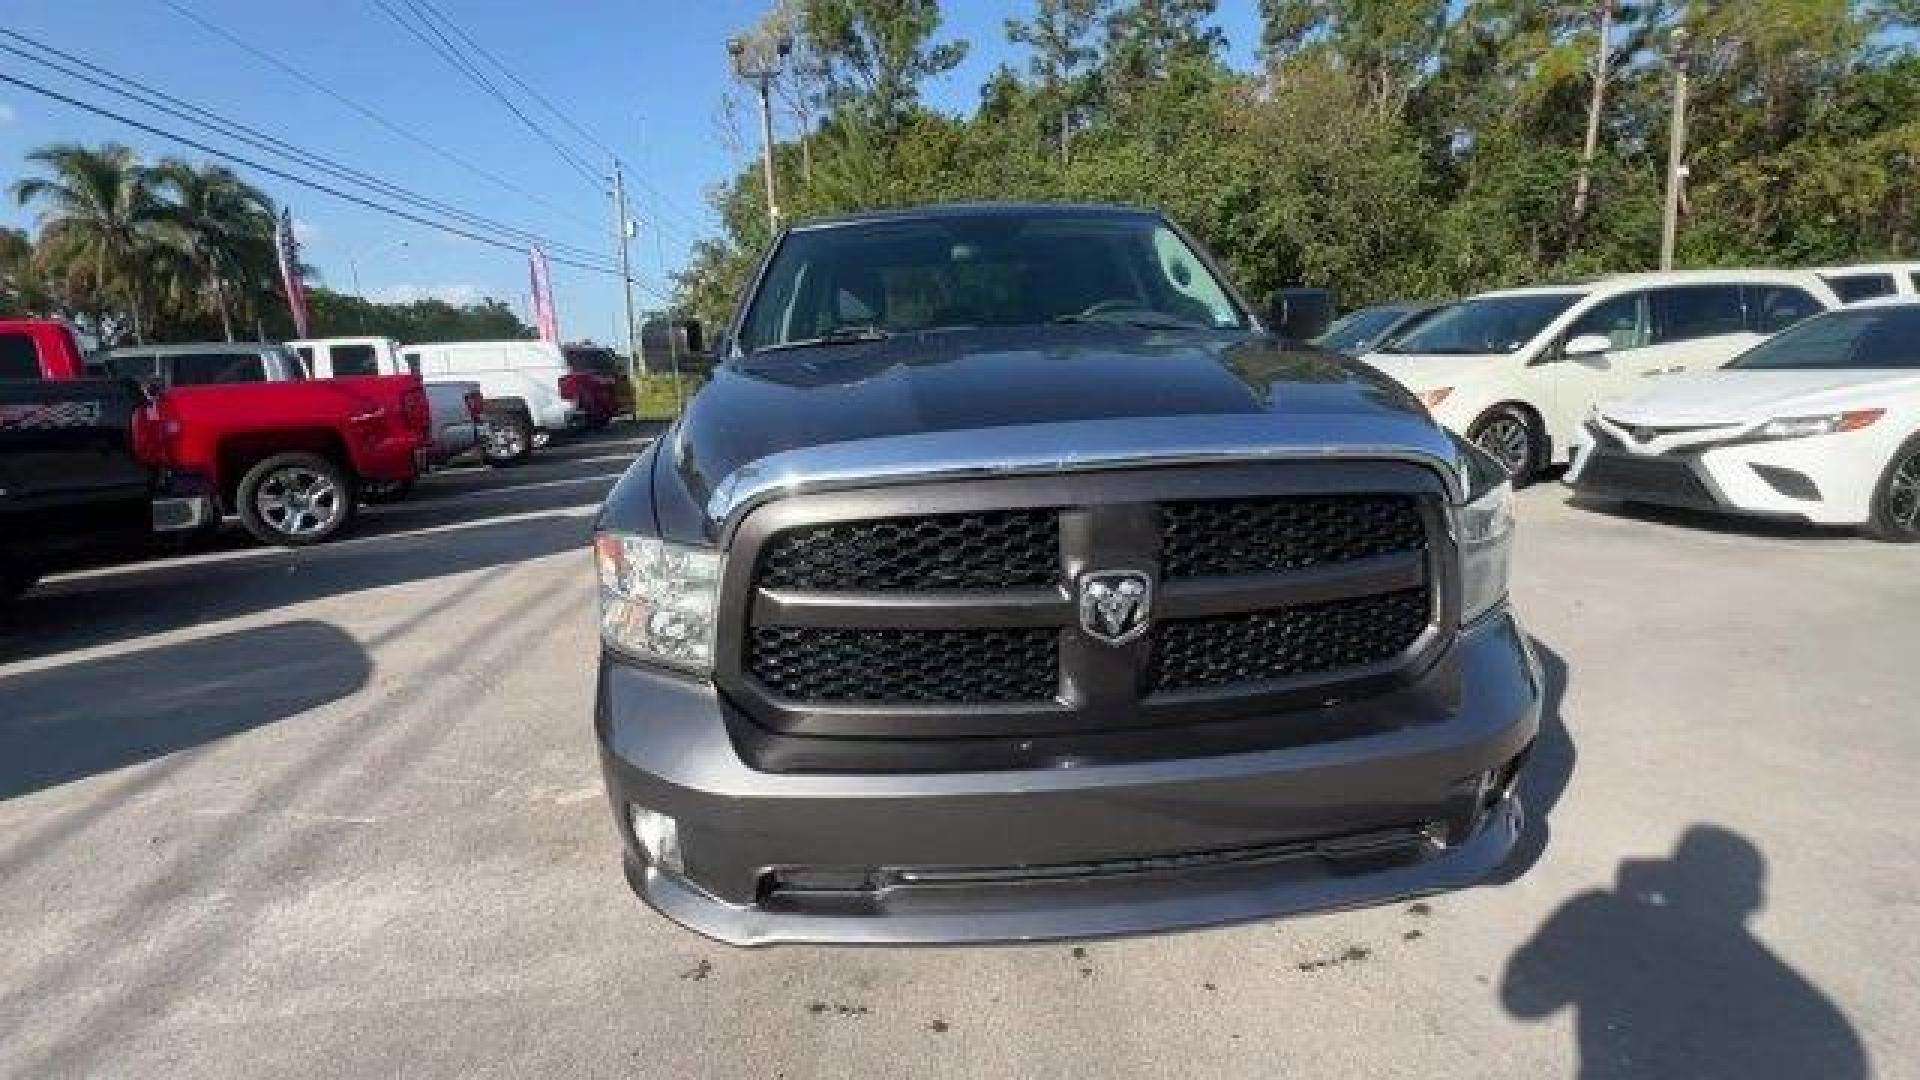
(657, 599)
(1799, 427)
(1483, 531)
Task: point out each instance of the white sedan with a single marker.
(1819, 424)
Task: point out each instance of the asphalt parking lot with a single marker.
(336, 812)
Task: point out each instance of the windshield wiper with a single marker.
(846, 336)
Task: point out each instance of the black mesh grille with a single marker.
(1257, 536)
(999, 549)
(1281, 644)
(844, 664)
(1655, 479)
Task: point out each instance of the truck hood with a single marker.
(1732, 397)
(1014, 400)
(1420, 372)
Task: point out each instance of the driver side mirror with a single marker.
(1587, 346)
(1300, 314)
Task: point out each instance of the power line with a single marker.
(372, 115)
(165, 103)
(546, 103)
(452, 55)
(405, 215)
(517, 81)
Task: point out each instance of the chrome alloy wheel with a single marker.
(299, 501)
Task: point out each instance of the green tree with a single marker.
(1060, 37)
(224, 226)
(875, 54)
(99, 222)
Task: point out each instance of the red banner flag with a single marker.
(289, 249)
(543, 314)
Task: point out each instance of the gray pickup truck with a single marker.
(1013, 579)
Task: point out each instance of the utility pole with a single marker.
(754, 66)
(1602, 60)
(1676, 150)
(635, 367)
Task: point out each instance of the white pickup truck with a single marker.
(456, 406)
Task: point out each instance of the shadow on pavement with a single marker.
(1666, 979)
(1548, 771)
(154, 598)
(66, 723)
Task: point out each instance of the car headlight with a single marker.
(657, 599)
(1800, 427)
(1483, 532)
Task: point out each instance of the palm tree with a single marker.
(98, 220)
(224, 226)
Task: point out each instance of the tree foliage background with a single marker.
(1385, 148)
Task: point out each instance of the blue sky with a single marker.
(644, 76)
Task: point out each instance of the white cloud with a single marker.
(304, 231)
(7, 115)
(456, 294)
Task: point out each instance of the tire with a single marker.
(386, 491)
(1511, 436)
(1896, 501)
(294, 500)
(508, 440)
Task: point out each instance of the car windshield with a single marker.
(872, 279)
(1485, 324)
(1860, 338)
(1359, 328)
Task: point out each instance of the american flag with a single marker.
(290, 273)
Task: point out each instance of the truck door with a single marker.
(67, 469)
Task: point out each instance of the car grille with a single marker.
(1655, 479)
(973, 610)
(1266, 645)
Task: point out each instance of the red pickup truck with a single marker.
(288, 457)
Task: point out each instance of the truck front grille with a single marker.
(1264, 645)
(950, 610)
(1254, 536)
(820, 663)
(994, 549)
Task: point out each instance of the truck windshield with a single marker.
(1485, 325)
(872, 279)
(1878, 339)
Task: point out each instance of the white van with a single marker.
(529, 388)
(453, 404)
(1518, 370)
(1870, 281)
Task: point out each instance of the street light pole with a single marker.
(1676, 151)
(755, 67)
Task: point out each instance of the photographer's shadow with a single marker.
(1666, 979)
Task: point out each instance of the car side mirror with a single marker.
(1300, 314)
(695, 335)
(1587, 346)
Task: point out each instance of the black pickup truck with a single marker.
(1012, 578)
(73, 484)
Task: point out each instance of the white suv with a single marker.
(1517, 371)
